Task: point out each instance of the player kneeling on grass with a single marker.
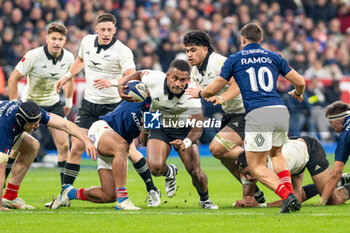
(167, 91)
(300, 153)
(112, 136)
(17, 120)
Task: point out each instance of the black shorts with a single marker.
(89, 113)
(57, 109)
(317, 156)
(168, 134)
(235, 121)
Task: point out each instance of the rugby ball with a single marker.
(137, 89)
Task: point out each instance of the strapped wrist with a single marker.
(114, 83)
(69, 102)
(69, 75)
(187, 142)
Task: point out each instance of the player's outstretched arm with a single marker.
(211, 90)
(12, 84)
(232, 92)
(72, 129)
(77, 66)
(332, 181)
(299, 83)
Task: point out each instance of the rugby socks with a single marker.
(143, 170)
(310, 191)
(204, 196)
(122, 194)
(282, 191)
(9, 167)
(61, 166)
(170, 173)
(347, 187)
(71, 172)
(11, 191)
(285, 179)
(76, 194)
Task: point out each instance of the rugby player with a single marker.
(17, 120)
(168, 100)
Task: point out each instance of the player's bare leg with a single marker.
(157, 154)
(190, 158)
(226, 146)
(27, 151)
(106, 192)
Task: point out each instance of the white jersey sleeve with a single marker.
(26, 64)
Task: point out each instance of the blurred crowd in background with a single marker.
(313, 35)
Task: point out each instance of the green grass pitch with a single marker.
(181, 213)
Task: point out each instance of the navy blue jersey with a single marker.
(256, 71)
(343, 143)
(126, 119)
(8, 125)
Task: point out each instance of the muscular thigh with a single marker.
(226, 140)
(60, 137)
(157, 151)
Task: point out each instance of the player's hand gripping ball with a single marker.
(137, 89)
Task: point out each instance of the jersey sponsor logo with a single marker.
(136, 120)
(157, 99)
(95, 66)
(87, 52)
(259, 140)
(151, 120)
(44, 67)
(63, 65)
(317, 167)
(53, 74)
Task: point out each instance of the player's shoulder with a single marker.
(217, 57)
(121, 47)
(35, 52)
(68, 54)
(90, 39)
(154, 75)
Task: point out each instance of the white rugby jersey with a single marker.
(175, 109)
(43, 71)
(295, 152)
(210, 69)
(107, 62)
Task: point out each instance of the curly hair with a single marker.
(198, 38)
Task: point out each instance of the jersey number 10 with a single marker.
(261, 79)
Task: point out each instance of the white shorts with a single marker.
(104, 162)
(96, 130)
(266, 127)
(18, 140)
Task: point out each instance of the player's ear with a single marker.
(47, 39)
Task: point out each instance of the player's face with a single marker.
(177, 80)
(196, 54)
(105, 32)
(248, 175)
(29, 127)
(337, 125)
(55, 42)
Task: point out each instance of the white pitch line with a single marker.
(162, 213)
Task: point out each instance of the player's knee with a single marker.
(156, 169)
(215, 150)
(195, 172)
(63, 148)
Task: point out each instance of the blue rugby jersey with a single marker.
(343, 142)
(8, 125)
(256, 71)
(126, 119)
